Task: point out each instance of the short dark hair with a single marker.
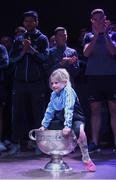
(97, 11)
(32, 14)
(59, 29)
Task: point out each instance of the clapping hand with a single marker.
(69, 60)
(26, 45)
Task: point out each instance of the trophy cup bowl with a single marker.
(55, 144)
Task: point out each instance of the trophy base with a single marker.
(57, 164)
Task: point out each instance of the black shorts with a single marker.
(59, 125)
(101, 88)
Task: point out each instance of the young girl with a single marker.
(64, 112)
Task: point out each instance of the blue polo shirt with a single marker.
(65, 99)
(100, 61)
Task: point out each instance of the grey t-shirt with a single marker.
(100, 61)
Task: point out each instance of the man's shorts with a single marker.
(101, 88)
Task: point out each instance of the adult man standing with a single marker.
(29, 54)
(62, 56)
(4, 61)
(100, 49)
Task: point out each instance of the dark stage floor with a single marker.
(27, 165)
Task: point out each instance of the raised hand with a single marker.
(26, 45)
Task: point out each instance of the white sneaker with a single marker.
(2, 147)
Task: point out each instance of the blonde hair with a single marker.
(61, 75)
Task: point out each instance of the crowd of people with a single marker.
(30, 58)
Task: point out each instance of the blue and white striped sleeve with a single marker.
(69, 108)
(49, 114)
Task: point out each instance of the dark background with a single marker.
(72, 14)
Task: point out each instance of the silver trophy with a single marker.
(54, 143)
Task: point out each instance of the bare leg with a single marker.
(112, 109)
(1, 121)
(82, 142)
(95, 120)
(84, 148)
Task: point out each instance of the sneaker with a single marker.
(8, 144)
(15, 149)
(90, 166)
(114, 149)
(2, 147)
(93, 148)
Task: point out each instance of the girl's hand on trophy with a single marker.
(42, 128)
(66, 131)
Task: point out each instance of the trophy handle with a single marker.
(31, 135)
